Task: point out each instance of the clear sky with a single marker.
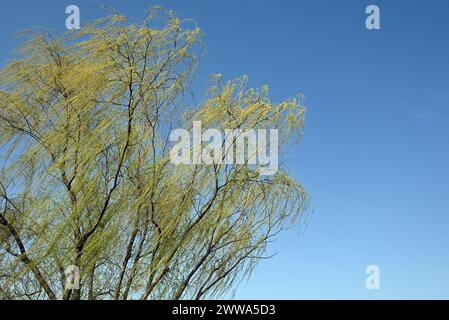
(375, 153)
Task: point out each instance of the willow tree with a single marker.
(86, 177)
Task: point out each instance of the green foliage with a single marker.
(86, 177)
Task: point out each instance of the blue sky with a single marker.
(375, 153)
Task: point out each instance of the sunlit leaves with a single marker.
(87, 177)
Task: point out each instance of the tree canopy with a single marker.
(86, 177)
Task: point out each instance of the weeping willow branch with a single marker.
(86, 177)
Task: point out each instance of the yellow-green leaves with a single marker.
(84, 120)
